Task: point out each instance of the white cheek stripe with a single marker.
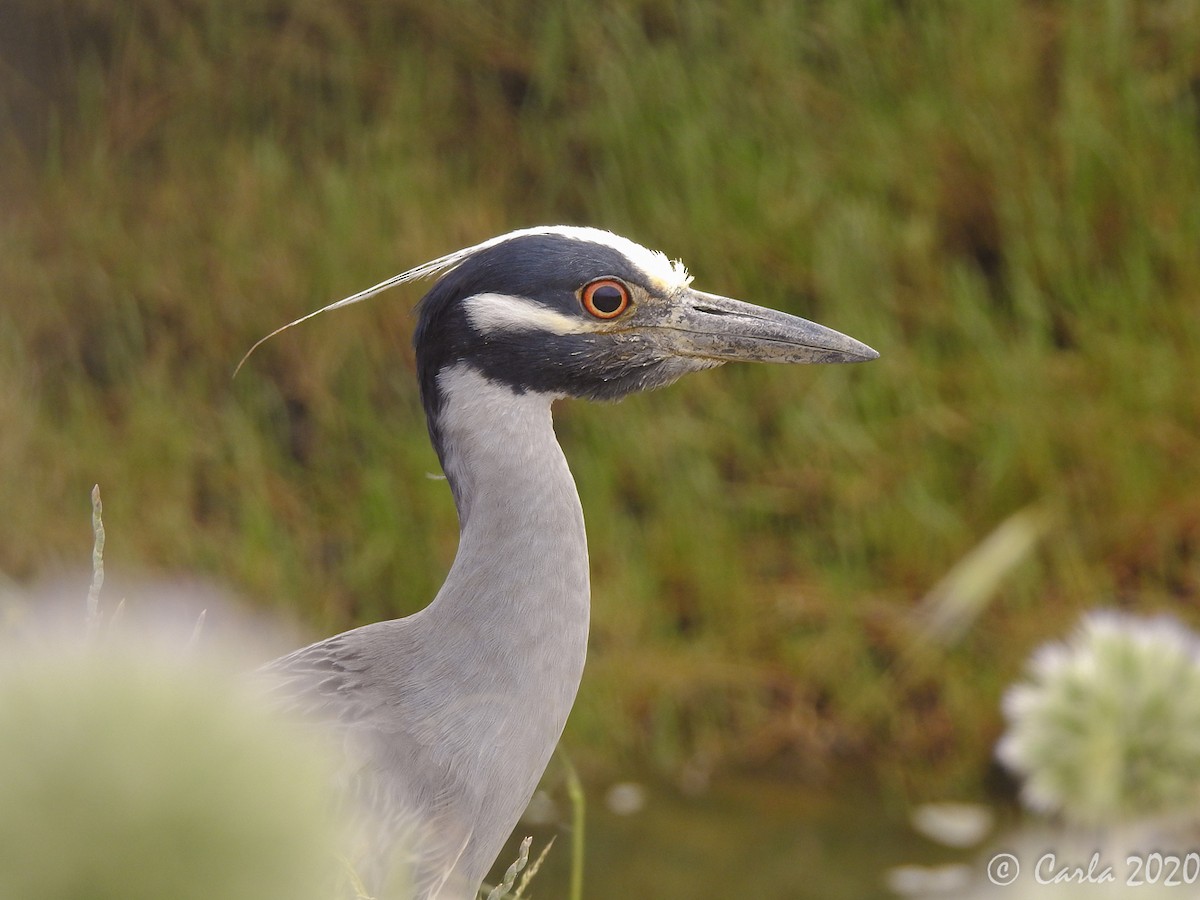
(504, 312)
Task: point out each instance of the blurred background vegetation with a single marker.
(1002, 197)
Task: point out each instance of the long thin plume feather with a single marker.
(433, 267)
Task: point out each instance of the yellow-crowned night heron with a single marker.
(451, 714)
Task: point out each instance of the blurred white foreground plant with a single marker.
(1104, 734)
(1106, 726)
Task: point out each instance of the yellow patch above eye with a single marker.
(504, 312)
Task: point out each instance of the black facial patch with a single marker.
(547, 269)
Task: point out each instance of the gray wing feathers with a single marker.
(411, 807)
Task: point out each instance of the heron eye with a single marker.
(605, 298)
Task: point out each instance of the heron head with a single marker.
(572, 311)
(581, 312)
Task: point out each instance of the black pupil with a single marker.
(607, 298)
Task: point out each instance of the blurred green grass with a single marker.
(1000, 197)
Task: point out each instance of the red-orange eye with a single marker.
(605, 298)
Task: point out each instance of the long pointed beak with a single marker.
(708, 326)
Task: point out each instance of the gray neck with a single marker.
(516, 599)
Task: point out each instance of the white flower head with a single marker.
(1106, 725)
